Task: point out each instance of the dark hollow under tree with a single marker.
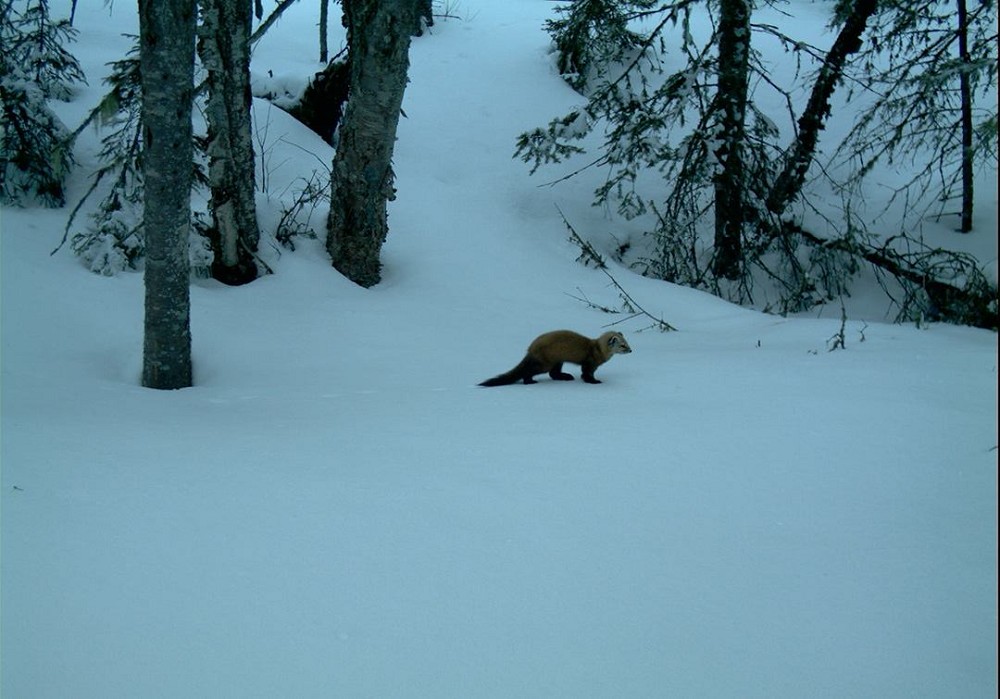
(322, 103)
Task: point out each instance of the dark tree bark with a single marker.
(789, 182)
(731, 101)
(378, 39)
(324, 12)
(167, 38)
(224, 47)
(965, 92)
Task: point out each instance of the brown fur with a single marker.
(548, 352)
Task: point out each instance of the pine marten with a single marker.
(548, 352)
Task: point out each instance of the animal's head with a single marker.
(616, 343)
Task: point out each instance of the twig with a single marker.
(839, 340)
(630, 305)
(582, 298)
(663, 325)
(271, 19)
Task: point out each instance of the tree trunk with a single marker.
(965, 91)
(324, 11)
(378, 42)
(167, 36)
(224, 47)
(731, 100)
(789, 182)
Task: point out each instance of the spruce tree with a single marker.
(113, 240)
(933, 75)
(35, 147)
(688, 148)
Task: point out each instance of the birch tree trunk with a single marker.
(167, 35)
(362, 182)
(224, 47)
(734, 61)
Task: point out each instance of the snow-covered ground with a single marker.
(336, 510)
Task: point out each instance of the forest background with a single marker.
(769, 505)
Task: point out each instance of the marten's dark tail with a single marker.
(522, 372)
(503, 379)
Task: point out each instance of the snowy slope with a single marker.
(336, 510)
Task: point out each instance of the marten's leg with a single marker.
(528, 368)
(558, 374)
(588, 373)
